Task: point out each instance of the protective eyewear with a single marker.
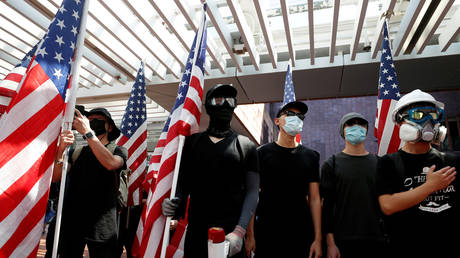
(219, 101)
(292, 113)
(356, 121)
(422, 114)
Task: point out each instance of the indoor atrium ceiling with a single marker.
(333, 43)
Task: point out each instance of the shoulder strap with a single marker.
(448, 159)
(112, 146)
(76, 153)
(333, 164)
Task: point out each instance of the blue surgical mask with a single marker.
(355, 134)
(293, 125)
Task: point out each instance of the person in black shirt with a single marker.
(351, 213)
(417, 185)
(219, 171)
(90, 203)
(288, 217)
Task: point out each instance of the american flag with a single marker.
(386, 131)
(29, 132)
(289, 94)
(9, 84)
(183, 120)
(134, 137)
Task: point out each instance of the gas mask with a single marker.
(427, 132)
(98, 126)
(423, 124)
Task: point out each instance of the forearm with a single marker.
(250, 200)
(327, 212)
(103, 155)
(392, 203)
(315, 209)
(250, 229)
(330, 241)
(58, 164)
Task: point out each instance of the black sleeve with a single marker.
(251, 198)
(314, 175)
(387, 180)
(327, 189)
(123, 153)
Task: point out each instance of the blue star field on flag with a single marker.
(56, 53)
(26, 60)
(289, 94)
(388, 83)
(136, 113)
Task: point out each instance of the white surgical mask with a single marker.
(293, 125)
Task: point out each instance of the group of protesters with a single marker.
(276, 200)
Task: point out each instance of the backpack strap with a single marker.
(448, 159)
(112, 146)
(76, 153)
(333, 164)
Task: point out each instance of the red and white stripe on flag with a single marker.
(9, 85)
(386, 131)
(183, 120)
(29, 133)
(134, 138)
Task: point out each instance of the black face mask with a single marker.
(98, 126)
(219, 120)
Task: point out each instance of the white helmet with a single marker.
(414, 97)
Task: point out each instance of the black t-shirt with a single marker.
(351, 210)
(430, 227)
(285, 174)
(214, 175)
(91, 198)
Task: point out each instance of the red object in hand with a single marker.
(216, 235)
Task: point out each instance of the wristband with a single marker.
(239, 231)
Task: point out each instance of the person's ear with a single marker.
(277, 121)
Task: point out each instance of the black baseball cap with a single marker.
(302, 107)
(220, 90)
(115, 133)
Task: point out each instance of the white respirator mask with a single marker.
(413, 132)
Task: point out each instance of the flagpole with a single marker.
(71, 97)
(165, 241)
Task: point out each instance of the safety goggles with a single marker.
(219, 101)
(422, 114)
(292, 113)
